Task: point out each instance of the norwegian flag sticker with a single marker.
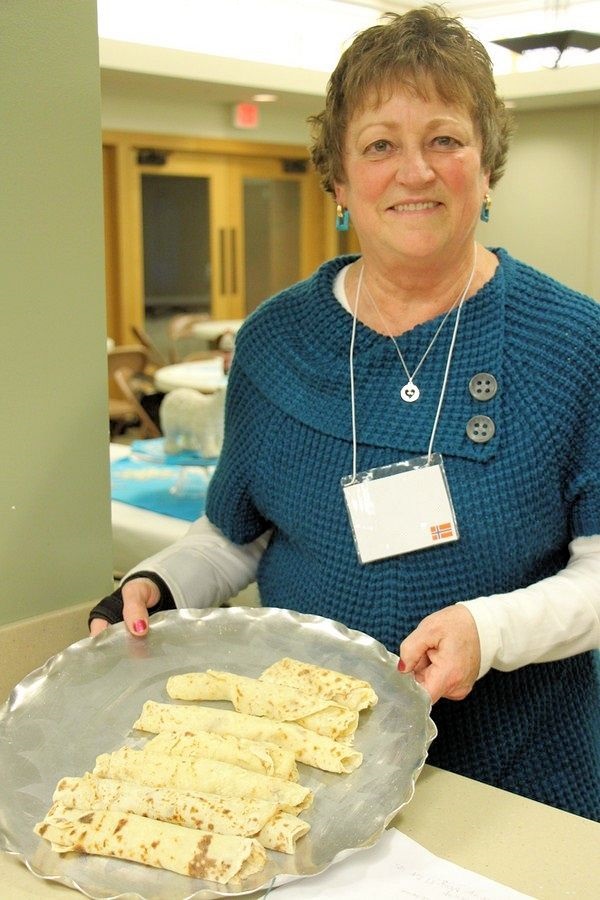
(441, 532)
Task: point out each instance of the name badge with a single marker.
(400, 508)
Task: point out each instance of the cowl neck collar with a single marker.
(295, 349)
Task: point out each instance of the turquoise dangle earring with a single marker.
(485, 208)
(342, 218)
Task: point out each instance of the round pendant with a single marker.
(410, 392)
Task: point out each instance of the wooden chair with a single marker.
(180, 329)
(154, 355)
(125, 409)
(126, 381)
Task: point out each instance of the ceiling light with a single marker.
(264, 98)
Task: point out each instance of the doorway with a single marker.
(208, 233)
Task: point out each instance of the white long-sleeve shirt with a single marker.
(552, 619)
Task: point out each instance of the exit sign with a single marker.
(245, 115)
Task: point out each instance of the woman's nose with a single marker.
(413, 167)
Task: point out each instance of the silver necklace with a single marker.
(410, 392)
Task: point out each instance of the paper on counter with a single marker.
(396, 867)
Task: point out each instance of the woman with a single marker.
(463, 383)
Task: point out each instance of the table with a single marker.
(214, 328)
(206, 375)
(530, 847)
(138, 533)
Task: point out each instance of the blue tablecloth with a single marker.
(176, 491)
(153, 450)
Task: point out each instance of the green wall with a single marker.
(55, 541)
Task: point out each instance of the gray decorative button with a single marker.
(480, 429)
(483, 386)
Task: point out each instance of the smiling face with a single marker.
(413, 182)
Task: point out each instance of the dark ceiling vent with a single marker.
(149, 157)
(560, 40)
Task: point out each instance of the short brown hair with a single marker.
(408, 50)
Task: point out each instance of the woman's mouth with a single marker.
(417, 206)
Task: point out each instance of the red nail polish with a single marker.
(401, 665)
(139, 626)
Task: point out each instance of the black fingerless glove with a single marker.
(111, 608)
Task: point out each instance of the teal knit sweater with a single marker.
(519, 498)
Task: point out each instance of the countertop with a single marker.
(530, 847)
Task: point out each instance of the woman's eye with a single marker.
(445, 141)
(378, 148)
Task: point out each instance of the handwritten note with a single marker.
(395, 868)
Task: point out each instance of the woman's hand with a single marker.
(139, 595)
(443, 653)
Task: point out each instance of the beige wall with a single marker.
(55, 541)
(546, 208)
(170, 106)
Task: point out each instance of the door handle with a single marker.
(222, 262)
(233, 249)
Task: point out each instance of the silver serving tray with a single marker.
(84, 701)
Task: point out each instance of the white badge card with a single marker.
(400, 508)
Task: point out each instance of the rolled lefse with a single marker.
(307, 746)
(261, 819)
(327, 683)
(268, 759)
(205, 775)
(224, 858)
(282, 832)
(263, 698)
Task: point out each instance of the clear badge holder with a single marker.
(400, 508)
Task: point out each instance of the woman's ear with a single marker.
(339, 193)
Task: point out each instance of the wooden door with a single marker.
(193, 230)
(279, 228)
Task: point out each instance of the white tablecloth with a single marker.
(206, 375)
(214, 328)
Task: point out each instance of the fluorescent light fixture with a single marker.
(311, 34)
(304, 34)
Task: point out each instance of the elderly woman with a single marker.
(411, 442)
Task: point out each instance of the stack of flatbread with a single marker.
(213, 789)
